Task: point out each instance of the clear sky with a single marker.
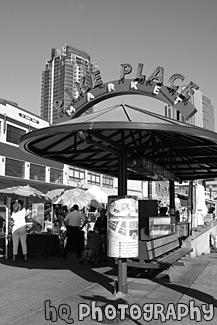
(179, 35)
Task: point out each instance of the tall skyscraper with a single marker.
(66, 66)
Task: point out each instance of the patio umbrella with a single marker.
(76, 196)
(25, 191)
(101, 196)
(55, 193)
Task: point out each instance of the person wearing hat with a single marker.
(19, 232)
(73, 222)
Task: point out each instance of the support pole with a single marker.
(122, 191)
(6, 233)
(191, 197)
(150, 190)
(172, 198)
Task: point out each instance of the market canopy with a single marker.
(155, 147)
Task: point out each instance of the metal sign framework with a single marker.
(152, 87)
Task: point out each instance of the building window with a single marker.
(107, 181)
(14, 168)
(93, 178)
(76, 174)
(178, 116)
(14, 134)
(56, 176)
(156, 188)
(37, 172)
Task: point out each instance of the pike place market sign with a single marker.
(140, 85)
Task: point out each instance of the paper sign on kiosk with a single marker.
(122, 226)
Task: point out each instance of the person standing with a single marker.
(48, 224)
(101, 227)
(19, 232)
(73, 222)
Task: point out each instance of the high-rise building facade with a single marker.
(66, 67)
(204, 116)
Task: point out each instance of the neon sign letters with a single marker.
(140, 85)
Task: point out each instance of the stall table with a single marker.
(43, 245)
(38, 245)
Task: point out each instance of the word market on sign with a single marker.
(140, 85)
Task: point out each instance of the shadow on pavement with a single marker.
(165, 281)
(104, 274)
(193, 293)
(85, 271)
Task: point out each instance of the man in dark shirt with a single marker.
(74, 236)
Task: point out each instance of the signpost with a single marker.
(122, 227)
(122, 232)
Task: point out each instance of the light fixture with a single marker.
(81, 135)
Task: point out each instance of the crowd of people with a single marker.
(70, 224)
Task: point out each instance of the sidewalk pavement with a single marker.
(26, 288)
